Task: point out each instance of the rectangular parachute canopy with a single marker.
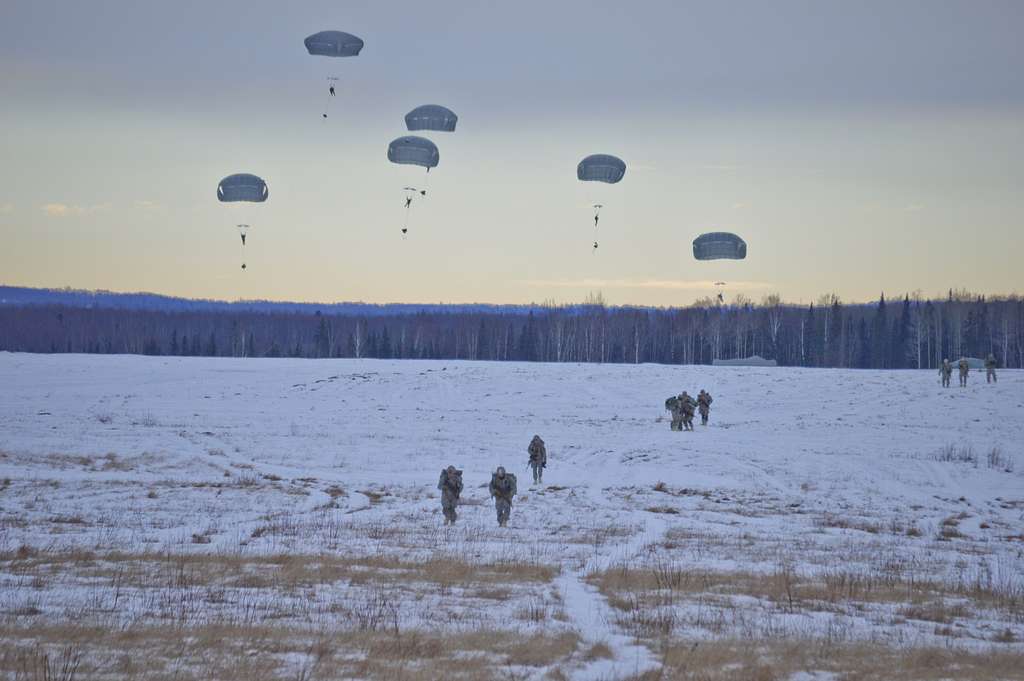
(601, 168)
(412, 150)
(242, 187)
(719, 246)
(431, 117)
(333, 44)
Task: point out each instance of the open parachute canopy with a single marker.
(416, 151)
(601, 168)
(333, 44)
(242, 187)
(431, 117)
(719, 246)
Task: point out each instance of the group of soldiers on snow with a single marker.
(946, 371)
(502, 487)
(683, 408)
(503, 484)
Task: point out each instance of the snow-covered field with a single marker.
(278, 519)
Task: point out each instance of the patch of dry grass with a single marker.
(599, 651)
(267, 653)
(670, 510)
(662, 583)
(729, 660)
(271, 571)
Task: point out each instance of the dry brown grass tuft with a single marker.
(274, 571)
(663, 509)
(266, 653)
(599, 651)
(631, 589)
(725, 660)
(845, 523)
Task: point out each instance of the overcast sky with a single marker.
(856, 146)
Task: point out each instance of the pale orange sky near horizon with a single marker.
(856, 149)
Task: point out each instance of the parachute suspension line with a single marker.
(597, 218)
(426, 184)
(331, 80)
(410, 194)
(242, 230)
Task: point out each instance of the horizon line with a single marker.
(959, 294)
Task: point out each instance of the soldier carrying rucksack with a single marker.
(450, 485)
(687, 405)
(965, 370)
(502, 488)
(704, 406)
(538, 458)
(946, 372)
(672, 405)
(990, 368)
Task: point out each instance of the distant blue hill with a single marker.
(20, 296)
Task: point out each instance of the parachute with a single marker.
(333, 44)
(415, 151)
(431, 117)
(600, 168)
(719, 246)
(412, 150)
(242, 187)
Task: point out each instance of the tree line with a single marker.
(902, 333)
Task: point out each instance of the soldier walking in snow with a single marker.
(965, 369)
(990, 368)
(687, 406)
(704, 406)
(502, 488)
(538, 458)
(450, 485)
(672, 404)
(946, 372)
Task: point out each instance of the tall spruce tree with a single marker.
(879, 339)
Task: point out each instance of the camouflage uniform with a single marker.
(704, 406)
(687, 406)
(502, 488)
(538, 458)
(965, 369)
(946, 371)
(672, 404)
(990, 368)
(450, 485)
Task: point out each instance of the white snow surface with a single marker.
(811, 469)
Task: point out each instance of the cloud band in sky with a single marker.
(661, 284)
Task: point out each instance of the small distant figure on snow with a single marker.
(704, 406)
(946, 372)
(965, 370)
(538, 458)
(502, 489)
(990, 368)
(450, 485)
